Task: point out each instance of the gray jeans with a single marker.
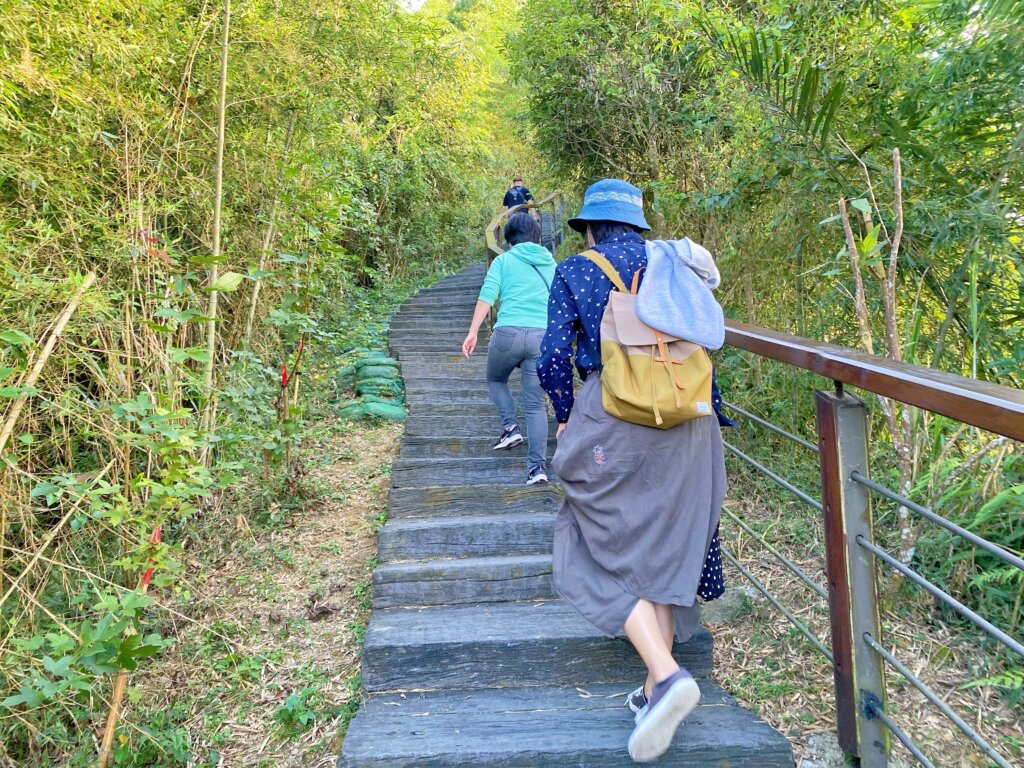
(514, 347)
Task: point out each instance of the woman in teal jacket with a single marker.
(521, 277)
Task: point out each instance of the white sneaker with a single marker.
(537, 475)
(509, 438)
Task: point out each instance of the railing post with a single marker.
(852, 590)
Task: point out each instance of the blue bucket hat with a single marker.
(611, 200)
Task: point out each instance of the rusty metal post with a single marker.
(852, 588)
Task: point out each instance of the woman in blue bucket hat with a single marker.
(636, 537)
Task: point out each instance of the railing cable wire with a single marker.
(939, 594)
(875, 710)
(795, 569)
(776, 429)
(779, 480)
(978, 541)
(801, 627)
(942, 706)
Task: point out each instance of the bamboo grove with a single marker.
(197, 191)
(194, 194)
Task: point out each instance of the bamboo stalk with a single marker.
(268, 235)
(121, 681)
(29, 381)
(209, 417)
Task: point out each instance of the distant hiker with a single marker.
(636, 537)
(517, 194)
(521, 277)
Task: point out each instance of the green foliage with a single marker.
(359, 163)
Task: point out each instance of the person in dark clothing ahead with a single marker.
(517, 194)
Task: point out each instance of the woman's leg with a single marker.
(533, 402)
(500, 364)
(667, 626)
(645, 633)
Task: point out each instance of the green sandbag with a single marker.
(382, 392)
(397, 400)
(355, 412)
(377, 372)
(389, 385)
(345, 377)
(378, 359)
(385, 411)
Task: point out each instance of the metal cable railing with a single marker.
(843, 471)
(776, 429)
(994, 549)
(874, 709)
(800, 626)
(944, 597)
(793, 568)
(939, 704)
(781, 481)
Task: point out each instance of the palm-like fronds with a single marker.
(1003, 10)
(796, 87)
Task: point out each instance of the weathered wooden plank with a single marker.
(467, 425)
(461, 471)
(546, 727)
(462, 581)
(490, 499)
(482, 646)
(466, 536)
(442, 447)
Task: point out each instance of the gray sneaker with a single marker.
(671, 702)
(537, 475)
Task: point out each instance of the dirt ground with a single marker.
(269, 674)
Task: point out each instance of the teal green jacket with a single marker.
(523, 292)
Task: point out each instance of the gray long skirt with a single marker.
(641, 507)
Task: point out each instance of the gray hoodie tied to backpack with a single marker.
(675, 296)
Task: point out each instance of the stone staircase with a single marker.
(469, 659)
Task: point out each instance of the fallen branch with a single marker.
(37, 369)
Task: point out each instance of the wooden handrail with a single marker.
(982, 404)
(493, 232)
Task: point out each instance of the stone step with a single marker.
(453, 501)
(410, 324)
(466, 580)
(450, 346)
(455, 384)
(440, 305)
(466, 536)
(471, 470)
(474, 366)
(465, 425)
(443, 447)
(469, 403)
(548, 727)
(481, 646)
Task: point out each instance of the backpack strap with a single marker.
(606, 266)
(541, 276)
